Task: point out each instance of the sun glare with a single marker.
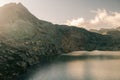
(3, 2)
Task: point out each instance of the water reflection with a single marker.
(87, 71)
(102, 66)
(75, 69)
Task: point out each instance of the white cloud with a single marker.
(102, 19)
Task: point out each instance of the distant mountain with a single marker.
(24, 40)
(105, 31)
(114, 34)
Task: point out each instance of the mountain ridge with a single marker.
(24, 40)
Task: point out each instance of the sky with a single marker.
(90, 14)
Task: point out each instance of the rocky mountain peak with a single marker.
(12, 12)
(17, 23)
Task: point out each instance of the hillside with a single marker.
(24, 40)
(114, 34)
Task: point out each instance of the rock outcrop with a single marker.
(25, 40)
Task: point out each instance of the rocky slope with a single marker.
(26, 40)
(114, 34)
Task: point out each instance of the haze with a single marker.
(89, 14)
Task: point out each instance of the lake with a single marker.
(79, 65)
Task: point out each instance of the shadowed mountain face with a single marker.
(24, 39)
(18, 26)
(114, 34)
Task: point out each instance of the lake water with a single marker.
(80, 65)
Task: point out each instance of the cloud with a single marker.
(102, 19)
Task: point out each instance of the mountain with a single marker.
(25, 40)
(16, 22)
(114, 34)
